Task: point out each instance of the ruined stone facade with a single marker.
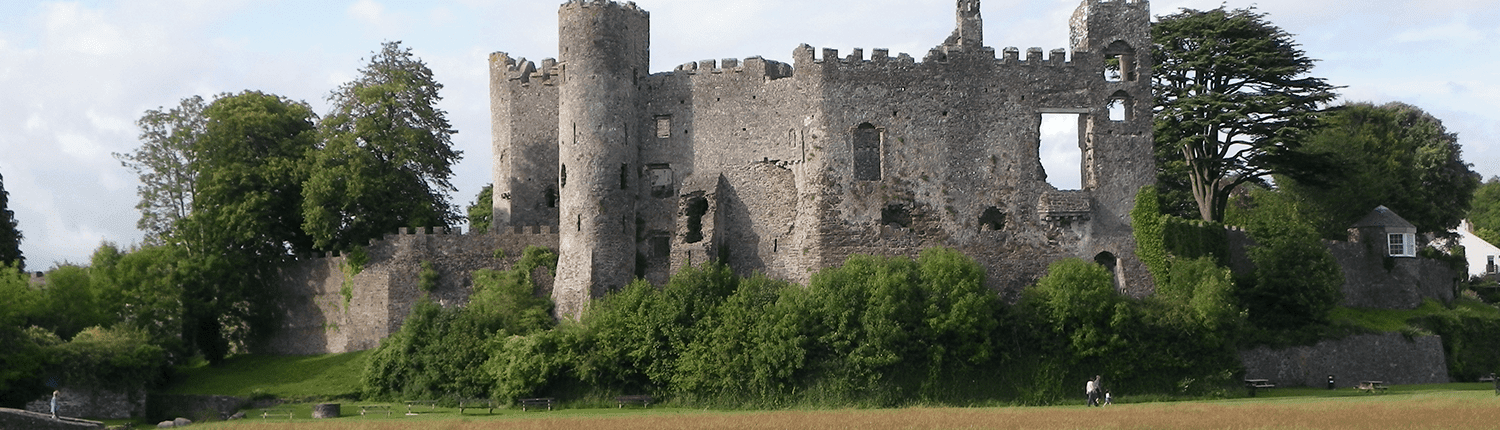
(787, 168)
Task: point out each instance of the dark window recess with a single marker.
(992, 219)
(661, 246)
(898, 215)
(696, 208)
(624, 176)
(551, 195)
(866, 153)
(579, 225)
(562, 176)
(1107, 260)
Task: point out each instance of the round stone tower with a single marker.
(604, 52)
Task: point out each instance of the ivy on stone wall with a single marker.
(427, 279)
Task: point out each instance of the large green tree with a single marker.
(1394, 155)
(163, 164)
(1485, 213)
(1233, 101)
(387, 156)
(246, 215)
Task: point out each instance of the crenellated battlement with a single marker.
(585, 4)
(524, 71)
(1010, 56)
(755, 67)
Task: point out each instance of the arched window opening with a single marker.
(1119, 62)
(1121, 107)
(992, 219)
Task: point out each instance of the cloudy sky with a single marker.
(75, 75)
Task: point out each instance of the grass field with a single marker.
(1446, 406)
(287, 377)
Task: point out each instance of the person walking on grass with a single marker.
(1091, 389)
(54, 403)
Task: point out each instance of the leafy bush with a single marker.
(427, 278)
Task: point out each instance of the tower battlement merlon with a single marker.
(629, 5)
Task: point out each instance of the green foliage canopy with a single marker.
(163, 164)
(387, 158)
(1394, 155)
(1485, 213)
(482, 210)
(1232, 104)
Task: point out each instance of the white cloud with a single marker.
(368, 11)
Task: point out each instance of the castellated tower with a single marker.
(604, 52)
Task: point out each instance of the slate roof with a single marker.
(1383, 217)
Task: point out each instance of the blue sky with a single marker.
(76, 75)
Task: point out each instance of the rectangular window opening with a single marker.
(1402, 245)
(663, 126)
(1061, 149)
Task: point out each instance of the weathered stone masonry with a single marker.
(785, 168)
(315, 319)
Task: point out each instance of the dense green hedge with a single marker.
(876, 331)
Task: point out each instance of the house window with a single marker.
(1490, 266)
(1402, 245)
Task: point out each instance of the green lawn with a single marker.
(288, 377)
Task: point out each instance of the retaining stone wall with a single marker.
(93, 403)
(1388, 357)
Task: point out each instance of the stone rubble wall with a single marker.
(315, 318)
(1388, 357)
(93, 403)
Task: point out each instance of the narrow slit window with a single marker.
(866, 152)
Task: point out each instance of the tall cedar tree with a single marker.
(1395, 155)
(1232, 105)
(10, 233)
(246, 217)
(163, 165)
(387, 155)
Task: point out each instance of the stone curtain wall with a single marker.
(1388, 357)
(314, 318)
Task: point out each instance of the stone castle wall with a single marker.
(1388, 357)
(316, 319)
(788, 168)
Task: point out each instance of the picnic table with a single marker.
(537, 402)
(1258, 384)
(430, 404)
(374, 408)
(476, 404)
(638, 399)
(1372, 386)
(275, 412)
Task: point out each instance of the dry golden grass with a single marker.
(1471, 410)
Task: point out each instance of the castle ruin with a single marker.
(785, 169)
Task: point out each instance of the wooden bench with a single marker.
(476, 404)
(374, 408)
(639, 399)
(1372, 386)
(537, 402)
(275, 412)
(430, 404)
(1258, 384)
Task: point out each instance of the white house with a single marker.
(1481, 254)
